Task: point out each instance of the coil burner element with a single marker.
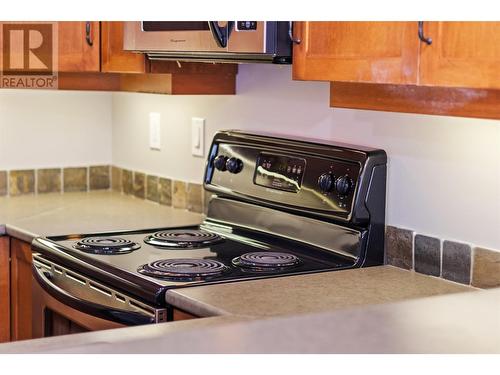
(183, 269)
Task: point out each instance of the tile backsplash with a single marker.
(179, 195)
(164, 191)
(99, 177)
(399, 247)
(54, 180)
(3, 183)
(486, 268)
(48, 180)
(454, 261)
(139, 185)
(21, 182)
(75, 179)
(427, 255)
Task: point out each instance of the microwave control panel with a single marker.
(246, 25)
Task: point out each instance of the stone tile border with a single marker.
(21, 182)
(54, 180)
(486, 268)
(427, 255)
(75, 179)
(406, 249)
(399, 247)
(165, 191)
(450, 260)
(3, 183)
(456, 262)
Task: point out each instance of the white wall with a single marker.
(444, 172)
(54, 128)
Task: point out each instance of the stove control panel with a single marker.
(327, 180)
(283, 177)
(279, 172)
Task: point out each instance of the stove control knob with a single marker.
(326, 182)
(234, 165)
(220, 162)
(343, 185)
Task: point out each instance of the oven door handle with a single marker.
(130, 318)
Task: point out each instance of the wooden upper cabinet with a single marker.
(79, 50)
(376, 52)
(462, 54)
(113, 58)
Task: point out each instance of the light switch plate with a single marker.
(154, 131)
(197, 136)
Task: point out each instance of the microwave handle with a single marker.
(221, 34)
(43, 277)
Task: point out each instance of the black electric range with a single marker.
(280, 207)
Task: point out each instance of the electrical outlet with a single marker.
(197, 136)
(154, 131)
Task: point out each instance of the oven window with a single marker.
(174, 26)
(57, 325)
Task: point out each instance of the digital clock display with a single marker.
(279, 172)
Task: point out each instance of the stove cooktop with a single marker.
(149, 266)
(280, 207)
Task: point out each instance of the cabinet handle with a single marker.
(88, 33)
(290, 34)
(421, 35)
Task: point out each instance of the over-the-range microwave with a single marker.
(232, 41)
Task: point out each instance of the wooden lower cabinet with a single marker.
(20, 287)
(60, 325)
(182, 315)
(4, 289)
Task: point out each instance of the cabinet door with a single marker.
(113, 58)
(78, 47)
(462, 54)
(182, 315)
(4, 289)
(20, 281)
(376, 52)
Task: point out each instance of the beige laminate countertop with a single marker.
(312, 293)
(456, 323)
(350, 311)
(26, 217)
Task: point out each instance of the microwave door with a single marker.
(165, 36)
(248, 37)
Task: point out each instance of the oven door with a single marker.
(66, 302)
(195, 37)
